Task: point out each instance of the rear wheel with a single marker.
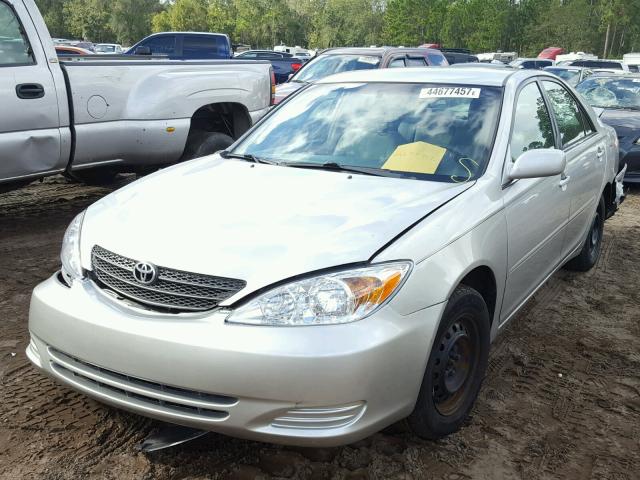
(96, 176)
(456, 366)
(592, 246)
(201, 143)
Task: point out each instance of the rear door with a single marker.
(586, 162)
(30, 140)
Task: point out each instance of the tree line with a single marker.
(607, 28)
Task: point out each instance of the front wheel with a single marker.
(201, 143)
(456, 366)
(592, 246)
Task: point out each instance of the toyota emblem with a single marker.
(145, 273)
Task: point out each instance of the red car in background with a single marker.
(69, 51)
(551, 53)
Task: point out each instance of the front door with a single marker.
(585, 150)
(537, 209)
(29, 121)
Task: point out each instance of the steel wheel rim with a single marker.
(456, 361)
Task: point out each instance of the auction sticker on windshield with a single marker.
(450, 92)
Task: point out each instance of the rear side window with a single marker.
(597, 64)
(567, 113)
(14, 46)
(205, 46)
(436, 60)
(397, 63)
(532, 123)
(163, 45)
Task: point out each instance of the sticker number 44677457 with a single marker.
(450, 92)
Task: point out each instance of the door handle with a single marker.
(600, 153)
(30, 91)
(564, 181)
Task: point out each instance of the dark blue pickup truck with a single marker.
(185, 46)
(284, 64)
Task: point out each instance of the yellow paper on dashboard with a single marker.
(417, 157)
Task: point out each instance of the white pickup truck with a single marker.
(92, 117)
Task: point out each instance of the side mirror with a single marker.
(142, 50)
(545, 162)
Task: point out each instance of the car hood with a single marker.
(625, 122)
(285, 89)
(254, 222)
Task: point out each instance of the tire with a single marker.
(201, 143)
(590, 252)
(96, 176)
(450, 388)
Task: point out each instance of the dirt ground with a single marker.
(561, 398)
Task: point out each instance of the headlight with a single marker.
(70, 253)
(329, 299)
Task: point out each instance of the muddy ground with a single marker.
(561, 398)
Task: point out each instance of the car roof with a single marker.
(375, 51)
(462, 76)
(186, 33)
(566, 67)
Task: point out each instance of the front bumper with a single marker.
(316, 386)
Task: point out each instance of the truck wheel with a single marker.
(590, 252)
(96, 176)
(456, 366)
(201, 143)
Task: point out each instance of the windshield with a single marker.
(425, 131)
(326, 65)
(572, 77)
(607, 92)
(105, 48)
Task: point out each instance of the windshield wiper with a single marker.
(247, 157)
(336, 167)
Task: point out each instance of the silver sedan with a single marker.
(344, 265)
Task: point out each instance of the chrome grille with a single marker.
(147, 395)
(173, 289)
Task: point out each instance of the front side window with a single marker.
(567, 113)
(532, 127)
(164, 45)
(326, 65)
(425, 131)
(14, 45)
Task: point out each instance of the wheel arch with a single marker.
(483, 280)
(231, 118)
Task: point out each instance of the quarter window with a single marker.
(14, 45)
(532, 124)
(567, 113)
